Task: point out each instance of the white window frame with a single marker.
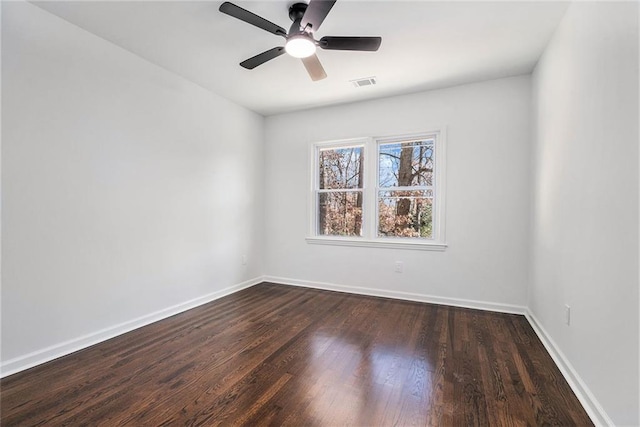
(369, 236)
(359, 142)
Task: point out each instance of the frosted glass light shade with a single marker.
(300, 47)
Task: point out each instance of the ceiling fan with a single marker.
(299, 40)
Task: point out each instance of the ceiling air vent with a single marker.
(368, 81)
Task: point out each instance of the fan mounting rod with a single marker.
(297, 10)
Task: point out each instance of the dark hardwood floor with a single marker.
(280, 355)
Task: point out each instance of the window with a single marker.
(386, 192)
(405, 188)
(339, 194)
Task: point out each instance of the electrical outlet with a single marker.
(244, 260)
(567, 314)
(399, 267)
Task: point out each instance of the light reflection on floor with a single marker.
(349, 379)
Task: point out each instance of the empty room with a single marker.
(320, 213)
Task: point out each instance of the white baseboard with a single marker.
(584, 395)
(595, 411)
(47, 354)
(455, 302)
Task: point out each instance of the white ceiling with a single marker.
(425, 45)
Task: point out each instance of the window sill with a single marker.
(380, 243)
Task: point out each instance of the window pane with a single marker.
(340, 168)
(405, 214)
(340, 213)
(405, 164)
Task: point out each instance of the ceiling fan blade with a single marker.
(315, 13)
(314, 67)
(251, 18)
(261, 58)
(370, 44)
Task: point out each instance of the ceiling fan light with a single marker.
(300, 47)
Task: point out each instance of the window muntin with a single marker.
(405, 188)
(339, 194)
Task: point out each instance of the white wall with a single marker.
(585, 200)
(126, 189)
(122, 197)
(487, 214)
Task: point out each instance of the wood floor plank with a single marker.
(280, 355)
